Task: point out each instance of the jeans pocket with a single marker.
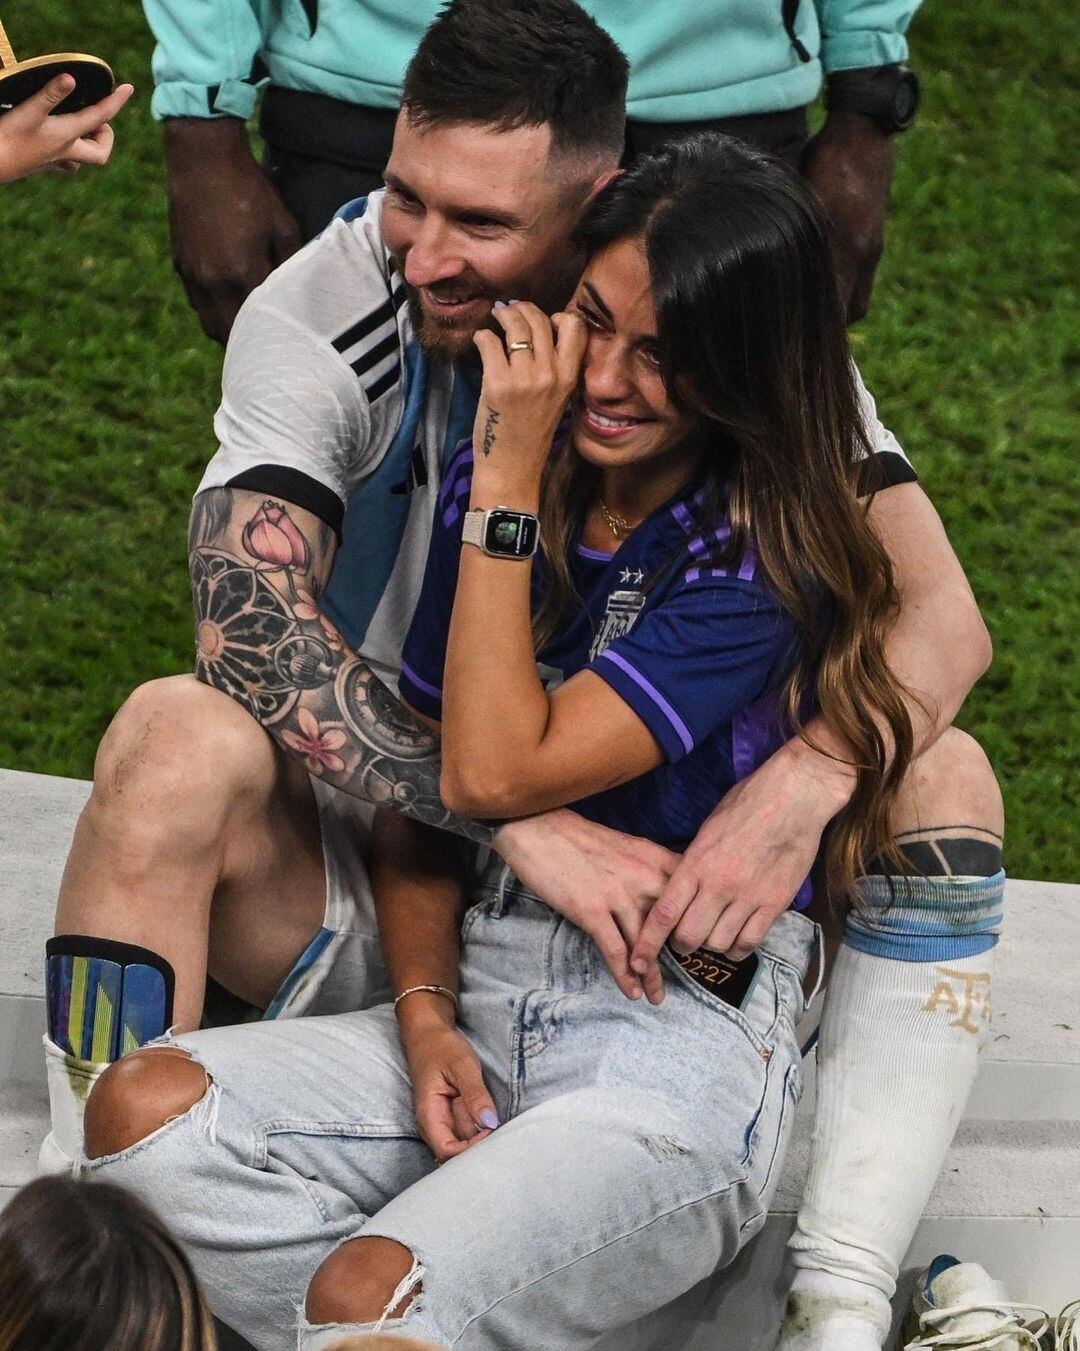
(757, 1012)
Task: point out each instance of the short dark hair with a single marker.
(522, 63)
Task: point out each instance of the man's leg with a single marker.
(199, 844)
(906, 1012)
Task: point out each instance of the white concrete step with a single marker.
(1009, 1196)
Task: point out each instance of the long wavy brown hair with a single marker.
(752, 337)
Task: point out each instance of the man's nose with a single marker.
(431, 256)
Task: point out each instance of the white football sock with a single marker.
(897, 1056)
(70, 1081)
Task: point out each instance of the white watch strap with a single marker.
(472, 528)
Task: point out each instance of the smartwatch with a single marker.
(502, 532)
(888, 95)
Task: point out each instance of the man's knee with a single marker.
(176, 742)
(138, 1095)
(952, 784)
(358, 1281)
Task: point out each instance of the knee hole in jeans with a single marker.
(138, 1095)
(365, 1280)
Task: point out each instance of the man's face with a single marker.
(473, 215)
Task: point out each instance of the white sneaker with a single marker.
(959, 1305)
(1067, 1328)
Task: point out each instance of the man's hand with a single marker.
(599, 879)
(749, 858)
(453, 1107)
(229, 227)
(33, 141)
(850, 164)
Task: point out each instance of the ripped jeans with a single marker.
(639, 1149)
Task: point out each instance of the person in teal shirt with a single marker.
(330, 76)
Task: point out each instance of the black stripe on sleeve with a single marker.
(383, 383)
(383, 315)
(397, 295)
(374, 355)
(293, 486)
(884, 470)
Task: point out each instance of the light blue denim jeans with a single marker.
(639, 1150)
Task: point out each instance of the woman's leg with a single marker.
(906, 1013)
(263, 1146)
(640, 1152)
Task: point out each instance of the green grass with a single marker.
(107, 389)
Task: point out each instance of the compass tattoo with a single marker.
(258, 567)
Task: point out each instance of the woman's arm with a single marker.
(418, 878)
(508, 748)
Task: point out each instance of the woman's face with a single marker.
(622, 414)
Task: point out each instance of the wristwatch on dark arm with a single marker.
(502, 532)
(888, 95)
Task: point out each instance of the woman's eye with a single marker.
(651, 357)
(592, 319)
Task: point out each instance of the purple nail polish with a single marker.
(488, 1119)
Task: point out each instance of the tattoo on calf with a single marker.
(262, 639)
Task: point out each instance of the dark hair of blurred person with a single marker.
(89, 1267)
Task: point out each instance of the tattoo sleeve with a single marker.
(258, 568)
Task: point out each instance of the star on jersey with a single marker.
(634, 575)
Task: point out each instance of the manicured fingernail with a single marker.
(513, 302)
(499, 305)
(488, 1119)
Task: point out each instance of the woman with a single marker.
(91, 1268)
(707, 578)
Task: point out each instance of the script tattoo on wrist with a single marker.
(261, 638)
(489, 431)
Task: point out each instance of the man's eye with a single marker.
(405, 201)
(481, 223)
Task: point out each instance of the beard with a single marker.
(440, 338)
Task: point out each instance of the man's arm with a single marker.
(756, 849)
(850, 161)
(258, 567)
(229, 227)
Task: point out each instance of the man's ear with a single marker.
(601, 181)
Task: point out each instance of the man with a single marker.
(334, 70)
(341, 382)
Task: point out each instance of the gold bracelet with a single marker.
(431, 989)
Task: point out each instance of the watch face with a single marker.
(513, 534)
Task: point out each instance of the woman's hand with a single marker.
(525, 392)
(453, 1107)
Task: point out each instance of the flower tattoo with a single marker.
(317, 742)
(271, 537)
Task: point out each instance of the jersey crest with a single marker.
(620, 615)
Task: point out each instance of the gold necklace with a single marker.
(618, 524)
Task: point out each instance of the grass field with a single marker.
(107, 389)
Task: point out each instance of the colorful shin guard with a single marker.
(105, 998)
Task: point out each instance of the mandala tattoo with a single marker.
(240, 621)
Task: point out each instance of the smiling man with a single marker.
(230, 815)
